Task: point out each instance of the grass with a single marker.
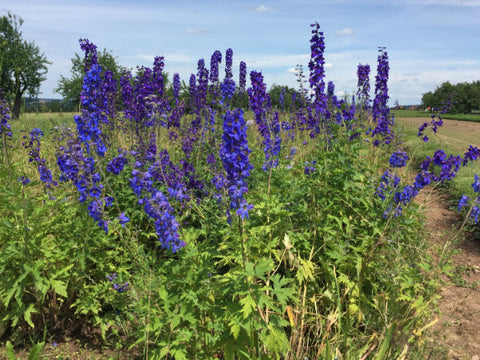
(453, 140)
(411, 114)
(426, 114)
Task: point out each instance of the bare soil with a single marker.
(458, 326)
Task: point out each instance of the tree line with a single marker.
(461, 98)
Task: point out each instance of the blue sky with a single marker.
(428, 41)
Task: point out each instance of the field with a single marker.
(174, 225)
(455, 330)
(425, 114)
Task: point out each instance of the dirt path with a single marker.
(458, 328)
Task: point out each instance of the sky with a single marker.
(428, 41)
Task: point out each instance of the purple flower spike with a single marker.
(234, 155)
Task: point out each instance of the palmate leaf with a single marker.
(263, 267)
(27, 315)
(281, 290)
(60, 287)
(248, 305)
(275, 340)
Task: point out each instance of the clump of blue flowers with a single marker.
(398, 159)
(474, 212)
(4, 118)
(33, 146)
(166, 226)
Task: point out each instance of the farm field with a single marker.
(457, 329)
(174, 225)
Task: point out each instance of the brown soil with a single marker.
(458, 326)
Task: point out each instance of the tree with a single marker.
(70, 88)
(461, 98)
(282, 96)
(22, 66)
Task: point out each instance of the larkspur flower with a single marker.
(90, 51)
(234, 155)
(33, 146)
(242, 76)
(472, 154)
(227, 88)
(316, 64)
(228, 63)
(202, 86)
(176, 88)
(463, 202)
(398, 159)
(5, 128)
(476, 184)
(24, 180)
(214, 61)
(166, 226)
(260, 103)
(388, 183)
(123, 219)
(121, 288)
(363, 85)
(116, 165)
(309, 167)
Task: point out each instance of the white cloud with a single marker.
(448, 2)
(328, 65)
(345, 32)
(195, 31)
(277, 60)
(262, 8)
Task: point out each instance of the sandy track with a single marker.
(458, 328)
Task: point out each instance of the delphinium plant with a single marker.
(193, 235)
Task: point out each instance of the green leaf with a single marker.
(305, 270)
(36, 351)
(10, 352)
(263, 267)
(280, 289)
(276, 341)
(235, 328)
(60, 287)
(179, 354)
(248, 305)
(28, 315)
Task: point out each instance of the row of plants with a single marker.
(219, 232)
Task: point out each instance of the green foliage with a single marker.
(22, 65)
(70, 87)
(464, 97)
(35, 352)
(316, 270)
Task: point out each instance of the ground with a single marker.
(458, 325)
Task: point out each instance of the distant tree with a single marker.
(282, 97)
(22, 66)
(462, 97)
(70, 88)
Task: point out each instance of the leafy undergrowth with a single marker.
(161, 230)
